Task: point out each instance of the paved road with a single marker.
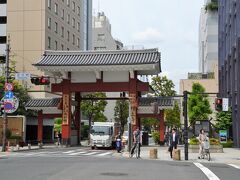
(82, 163)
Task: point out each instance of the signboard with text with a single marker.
(223, 136)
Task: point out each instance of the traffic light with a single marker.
(40, 80)
(218, 104)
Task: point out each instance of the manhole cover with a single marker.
(113, 174)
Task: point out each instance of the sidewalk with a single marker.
(229, 155)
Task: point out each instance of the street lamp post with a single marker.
(5, 120)
(185, 97)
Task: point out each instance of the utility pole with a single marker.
(129, 127)
(5, 120)
(185, 97)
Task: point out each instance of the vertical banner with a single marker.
(66, 110)
(223, 136)
(133, 101)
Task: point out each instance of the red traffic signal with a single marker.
(218, 104)
(40, 80)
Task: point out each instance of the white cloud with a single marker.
(148, 35)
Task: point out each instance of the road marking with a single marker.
(32, 154)
(235, 166)
(91, 153)
(67, 152)
(76, 153)
(104, 154)
(207, 172)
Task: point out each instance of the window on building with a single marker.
(49, 43)
(62, 31)
(101, 37)
(3, 20)
(68, 18)
(99, 48)
(62, 14)
(49, 4)
(67, 49)
(73, 6)
(73, 39)
(78, 26)
(68, 3)
(56, 27)
(78, 42)
(62, 46)
(56, 45)
(49, 23)
(68, 35)
(78, 10)
(73, 22)
(56, 8)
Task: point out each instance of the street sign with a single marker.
(8, 94)
(224, 104)
(8, 106)
(14, 101)
(22, 76)
(223, 136)
(8, 86)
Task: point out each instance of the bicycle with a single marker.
(136, 150)
(205, 151)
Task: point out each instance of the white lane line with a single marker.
(235, 166)
(91, 153)
(207, 172)
(104, 154)
(33, 154)
(76, 153)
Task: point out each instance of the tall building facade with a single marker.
(34, 26)
(102, 34)
(208, 39)
(102, 39)
(229, 59)
(3, 30)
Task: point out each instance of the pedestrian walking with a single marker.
(173, 141)
(137, 139)
(59, 138)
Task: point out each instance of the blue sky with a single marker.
(169, 25)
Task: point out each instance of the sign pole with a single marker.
(185, 98)
(5, 120)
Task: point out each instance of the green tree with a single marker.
(162, 86)
(58, 125)
(223, 120)
(121, 113)
(93, 108)
(149, 123)
(198, 104)
(173, 116)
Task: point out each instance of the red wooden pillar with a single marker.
(78, 115)
(133, 99)
(40, 126)
(66, 113)
(161, 126)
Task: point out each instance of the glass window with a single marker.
(73, 39)
(78, 42)
(78, 26)
(68, 3)
(73, 6)
(68, 18)
(49, 4)
(56, 8)
(56, 27)
(62, 46)
(49, 42)
(78, 10)
(73, 22)
(101, 37)
(67, 49)
(49, 23)
(62, 34)
(68, 35)
(62, 14)
(56, 45)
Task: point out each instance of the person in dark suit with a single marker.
(173, 141)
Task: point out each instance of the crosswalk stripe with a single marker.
(67, 152)
(76, 153)
(91, 153)
(104, 154)
(235, 166)
(207, 172)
